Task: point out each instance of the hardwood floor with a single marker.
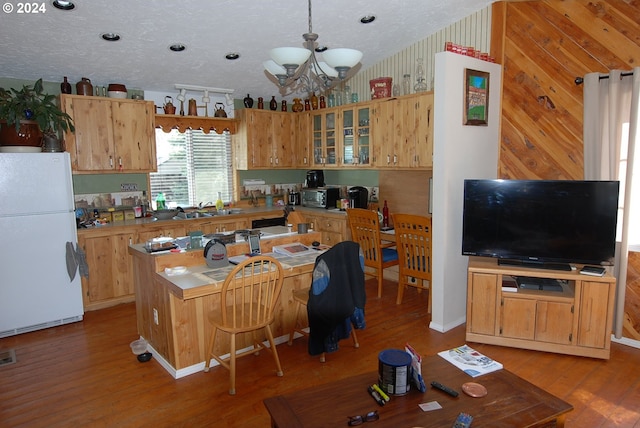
(84, 374)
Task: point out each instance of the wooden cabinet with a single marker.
(110, 278)
(324, 138)
(402, 132)
(355, 136)
(577, 320)
(111, 135)
(332, 226)
(302, 139)
(264, 139)
(216, 225)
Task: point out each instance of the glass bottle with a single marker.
(284, 105)
(385, 215)
(323, 102)
(314, 101)
(65, 87)
(346, 98)
(396, 90)
(219, 203)
(406, 84)
(260, 103)
(332, 100)
(273, 104)
(420, 85)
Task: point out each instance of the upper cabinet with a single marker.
(264, 139)
(402, 129)
(111, 135)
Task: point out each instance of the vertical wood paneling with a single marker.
(474, 30)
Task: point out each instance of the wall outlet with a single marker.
(155, 316)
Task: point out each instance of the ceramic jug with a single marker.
(84, 87)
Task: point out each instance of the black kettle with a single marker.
(220, 110)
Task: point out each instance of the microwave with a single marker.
(326, 197)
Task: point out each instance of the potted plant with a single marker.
(28, 114)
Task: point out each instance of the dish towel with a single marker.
(76, 261)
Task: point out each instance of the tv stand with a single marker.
(535, 265)
(576, 320)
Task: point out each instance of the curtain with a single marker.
(609, 104)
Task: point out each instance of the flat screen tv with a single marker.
(541, 223)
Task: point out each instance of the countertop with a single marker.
(253, 212)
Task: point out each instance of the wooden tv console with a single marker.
(577, 320)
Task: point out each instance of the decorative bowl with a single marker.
(117, 87)
(117, 94)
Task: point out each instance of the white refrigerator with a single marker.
(37, 220)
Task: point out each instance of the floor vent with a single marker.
(7, 357)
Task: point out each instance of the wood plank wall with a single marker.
(543, 46)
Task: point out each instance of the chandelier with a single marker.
(298, 70)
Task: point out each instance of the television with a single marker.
(540, 223)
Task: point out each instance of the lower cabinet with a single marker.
(332, 226)
(110, 278)
(577, 320)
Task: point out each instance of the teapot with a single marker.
(169, 108)
(219, 107)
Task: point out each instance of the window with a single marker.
(634, 226)
(192, 167)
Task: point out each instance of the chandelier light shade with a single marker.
(298, 70)
(290, 58)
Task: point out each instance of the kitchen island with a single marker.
(171, 310)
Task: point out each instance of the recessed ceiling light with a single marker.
(321, 48)
(231, 56)
(111, 37)
(368, 19)
(177, 47)
(63, 5)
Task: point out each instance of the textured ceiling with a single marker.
(56, 43)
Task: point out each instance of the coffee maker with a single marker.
(358, 197)
(315, 179)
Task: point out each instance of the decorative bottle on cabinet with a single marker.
(260, 103)
(385, 215)
(273, 104)
(65, 87)
(248, 101)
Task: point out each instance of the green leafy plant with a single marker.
(31, 103)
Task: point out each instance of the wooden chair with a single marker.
(413, 242)
(365, 230)
(247, 302)
(301, 299)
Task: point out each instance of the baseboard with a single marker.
(626, 341)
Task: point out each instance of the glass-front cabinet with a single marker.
(355, 132)
(324, 139)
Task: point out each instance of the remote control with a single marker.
(443, 388)
(463, 421)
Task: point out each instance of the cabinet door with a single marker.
(259, 137)
(110, 269)
(481, 303)
(554, 322)
(423, 131)
(388, 132)
(594, 313)
(355, 136)
(91, 146)
(302, 135)
(417, 131)
(134, 135)
(518, 319)
(281, 149)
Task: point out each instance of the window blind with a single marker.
(192, 167)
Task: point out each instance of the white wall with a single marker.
(459, 152)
